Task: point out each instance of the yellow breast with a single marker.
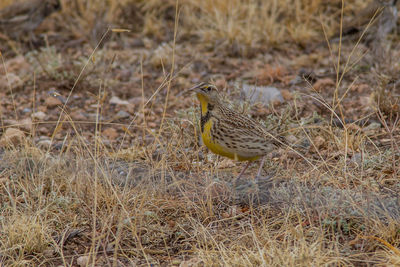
(219, 149)
(215, 144)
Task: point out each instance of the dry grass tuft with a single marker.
(24, 235)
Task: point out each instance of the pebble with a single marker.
(117, 101)
(93, 116)
(321, 84)
(110, 133)
(43, 130)
(263, 94)
(136, 100)
(26, 110)
(40, 115)
(52, 102)
(82, 261)
(26, 124)
(122, 115)
(78, 116)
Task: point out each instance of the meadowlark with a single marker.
(229, 133)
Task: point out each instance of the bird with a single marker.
(21, 18)
(229, 133)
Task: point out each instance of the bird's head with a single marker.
(206, 92)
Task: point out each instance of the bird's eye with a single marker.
(208, 88)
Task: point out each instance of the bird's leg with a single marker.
(261, 165)
(241, 173)
(244, 169)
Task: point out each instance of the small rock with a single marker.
(321, 84)
(124, 75)
(373, 127)
(40, 115)
(94, 116)
(43, 130)
(117, 101)
(52, 102)
(263, 94)
(82, 261)
(365, 101)
(122, 115)
(110, 133)
(78, 116)
(136, 100)
(26, 124)
(43, 137)
(96, 106)
(12, 136)
(26, 110)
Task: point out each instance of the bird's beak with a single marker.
(194, 88)
(190, 90)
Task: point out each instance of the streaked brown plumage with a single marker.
(229, 133)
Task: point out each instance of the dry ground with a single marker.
(109, 170)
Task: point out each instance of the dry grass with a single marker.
(165, 200)
(241, 25)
